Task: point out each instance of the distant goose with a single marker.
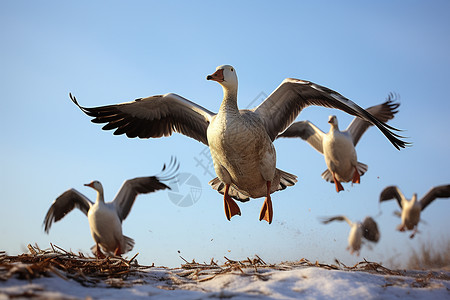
(411, 209)
(338, 147)
(105, 218)
(367, 229)
(240, 141)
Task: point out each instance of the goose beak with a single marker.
(217, 76)
(91, 184)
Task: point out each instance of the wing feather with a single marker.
(64, 204)
(442, 191)
(129, 190)
(383, 112)
(308, 132)
(392, 192)
(153, 117)
(281, 108)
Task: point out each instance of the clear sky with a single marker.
(107, 52)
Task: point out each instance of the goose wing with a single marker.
(129, 190)
(281, 108)
(442, 191)
(153, 117)
(392, 192)
(383, 112)
(336, 218)
(370, 229)
(308, 132)
(64, 204)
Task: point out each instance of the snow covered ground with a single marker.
(281, 282)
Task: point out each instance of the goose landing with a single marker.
(105, 218)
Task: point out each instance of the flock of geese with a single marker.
(242, 150)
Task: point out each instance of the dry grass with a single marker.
(118, 272)
(430, 257)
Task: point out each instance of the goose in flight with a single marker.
(338, 147)
(240, 141)
(105, 218)
(411, 209)
(368, 229)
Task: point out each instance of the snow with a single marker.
(295, 283)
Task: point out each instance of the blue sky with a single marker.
(112, 52)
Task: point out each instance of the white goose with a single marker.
(411, 209)
(338, 147)
(240, 141)
(105, 218)
(368, 229)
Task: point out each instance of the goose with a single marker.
(338, 147)
(240, 141)
(368, 229)
(105, 218)
(411, 209)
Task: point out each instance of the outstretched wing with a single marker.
(127, 194)
(336, 218)
(281, 108)
(392, 192)
(442, 191)
(383, 112)
(153, 117)
(64, 204)
(308, 132)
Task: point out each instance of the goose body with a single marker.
(338, 147)
(240, 141)
(106, 229)
(340, 156)
(412, 208)
(105, 218)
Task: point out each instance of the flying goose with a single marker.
(368, 229)
(411, 209)
(105, 218)
(338, 147)
(240, 141)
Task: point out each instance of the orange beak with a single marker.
(217, 76)
(90, 184)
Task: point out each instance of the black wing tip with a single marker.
(169, 171)
(83, 109)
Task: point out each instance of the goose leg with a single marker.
(98, 253)
(231, 208)
(339, 186)
(401, 227)
(413, 234)
(118, 251)
(356, 178)
(266, 210)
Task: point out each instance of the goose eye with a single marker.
(232, 70)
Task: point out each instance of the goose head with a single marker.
(332, 120)
(96, 185)
(226, 76)
(414, 199)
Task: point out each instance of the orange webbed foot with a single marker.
(230, 206)
(338, 185)
(267, 210)
(356, 177)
